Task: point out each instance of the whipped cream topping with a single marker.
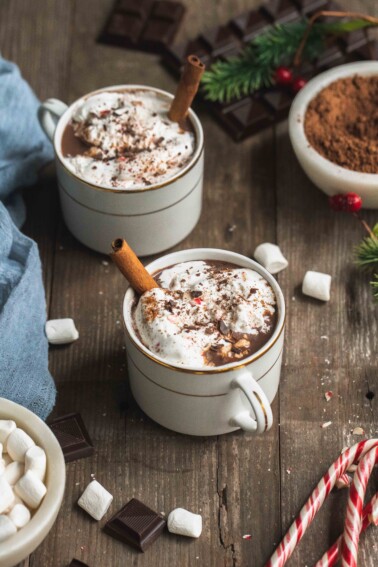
(130, 141)
(206, 314)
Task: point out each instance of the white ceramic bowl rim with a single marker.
(66, 116)
(207, 254)
(56, 472)
(299, 108)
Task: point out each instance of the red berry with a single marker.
(298, 84)
(349, 202)
(353, 202)
(337, 202)
(283, 76)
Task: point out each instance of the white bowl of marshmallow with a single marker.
(32, 481)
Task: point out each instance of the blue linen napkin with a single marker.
(24, 149)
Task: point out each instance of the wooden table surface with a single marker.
(241, 484)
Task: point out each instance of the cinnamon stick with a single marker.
(131, 267)
(186, 89)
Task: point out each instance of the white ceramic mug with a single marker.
(151, 219)
(212, 401)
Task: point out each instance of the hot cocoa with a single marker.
(206, 313)
(124, 139)
(341, 123)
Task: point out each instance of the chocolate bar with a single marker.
(135, 524)
(250, 114)
(73, 437)
(77, 563)
(146, 25)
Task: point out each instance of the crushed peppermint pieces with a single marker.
(326, 424)
(247, 536)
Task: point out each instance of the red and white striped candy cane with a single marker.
(331, 557)
(316, 500)
(353, 520)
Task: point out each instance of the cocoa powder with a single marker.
(341, 123)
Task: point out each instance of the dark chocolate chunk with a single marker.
(143, 24)
(308, 7)
(281, 11)
(353, 40)
(250, 114)
(330, 57)
(77, 563)
(135, 524)
(220, 40)
(250, 24)
(73, 437)
(279, 101)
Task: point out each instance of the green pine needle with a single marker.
(367, 251)
(367, 258)
(374, 285)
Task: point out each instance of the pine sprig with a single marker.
(367, 257)
(254, 68)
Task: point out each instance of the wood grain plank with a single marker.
(330, 347)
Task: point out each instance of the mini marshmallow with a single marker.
(18, 443)
(7, 528)
(35, 460)
(271, 257)
(13, 472)
(6, 495)
(6, 428)
(183, 522)
(20, 515)
(61, 331)
(95, 500)
(318, 285)
(30, 489)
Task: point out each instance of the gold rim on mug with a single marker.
(186, 169)
(202, 395)
(226, 368)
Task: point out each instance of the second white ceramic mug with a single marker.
(151, 219)
(212, 401)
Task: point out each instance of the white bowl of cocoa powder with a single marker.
(333, 127)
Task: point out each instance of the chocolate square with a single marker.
(353, 40)
(72, 436)
(250, 24)
(330, 57)
(281, 11)
(147, 25)
(247, 117)
(139, 8)
(136, 524)
(279, 101)
(219, 40)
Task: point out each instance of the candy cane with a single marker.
(369, 516)
(316, 500)
(353, 520)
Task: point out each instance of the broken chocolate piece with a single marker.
(72, 436)
(135, 524)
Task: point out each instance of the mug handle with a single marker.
(259, 403)
(49, 114)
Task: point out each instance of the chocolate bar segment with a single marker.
(135, 524)
(72, 436)
(250, 114)
(146, 25)
(77, 563)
